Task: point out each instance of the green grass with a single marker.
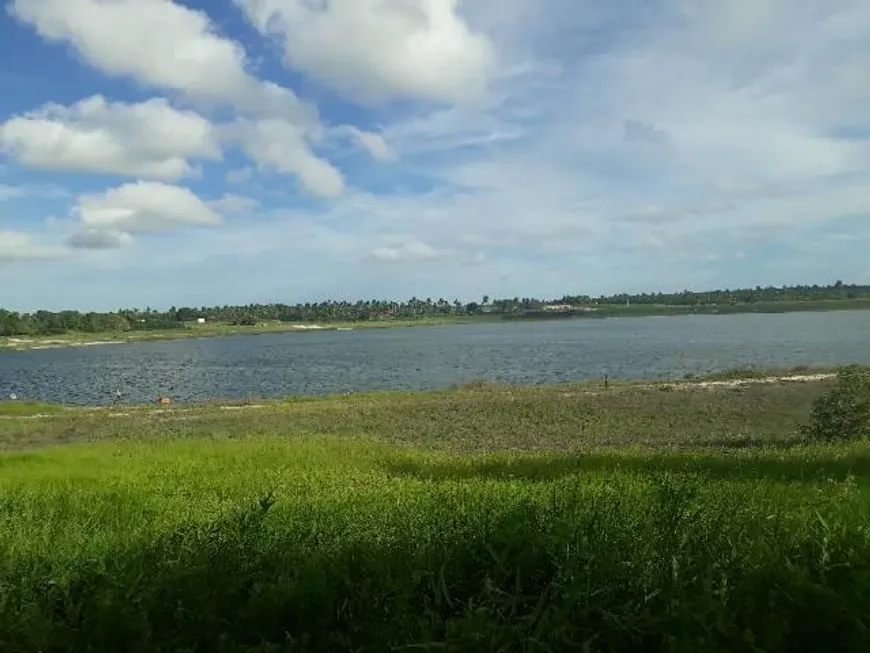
(482, 519)
(480, 418)
(28, 408)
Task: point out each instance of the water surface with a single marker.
(531, 352)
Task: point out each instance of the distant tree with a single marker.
(47, 322)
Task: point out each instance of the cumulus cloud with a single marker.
(373, 143)
(167, 45)
(143, 207)
(160, 43)
(374, 51)
(99, 239)
(621, 150)
(18, 246)
(147, 139)
(279, 145)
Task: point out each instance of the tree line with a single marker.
(148, 319)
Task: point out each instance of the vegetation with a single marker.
(844, 412)
(486, 518)
(477, 418)
(770, 299)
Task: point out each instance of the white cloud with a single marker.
(99, 239)
(374, 144)
(231, 203)
(160, 43)
(618, 150)
(164, 44)
(17, 246)
(148, 139)
(280, 145)
(167, 45)
(406, 252)
(144, 207)
(660, 113)
(747, 91)
(372, 50)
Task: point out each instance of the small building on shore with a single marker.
(558, 307)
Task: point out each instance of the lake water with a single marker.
(433, 357)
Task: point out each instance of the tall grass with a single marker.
(328, 544)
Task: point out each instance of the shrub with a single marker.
(844, 412)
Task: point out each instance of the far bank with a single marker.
(221, 329)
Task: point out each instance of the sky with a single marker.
(202, 152)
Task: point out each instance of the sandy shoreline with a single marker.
(32, 344)
(18, 344)
(733, 383)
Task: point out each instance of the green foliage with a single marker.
(331, 544)
(278, 527)
(844, 412)
(28, 408)
(478, 417)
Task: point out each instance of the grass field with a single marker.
(665, 517)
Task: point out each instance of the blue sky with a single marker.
(233, 151)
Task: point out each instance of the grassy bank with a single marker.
(680, 517)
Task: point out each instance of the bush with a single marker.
(844, 412)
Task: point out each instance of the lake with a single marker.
(416, 358)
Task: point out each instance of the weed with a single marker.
(844, 412)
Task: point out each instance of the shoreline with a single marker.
(729, 379)
(36, 343)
